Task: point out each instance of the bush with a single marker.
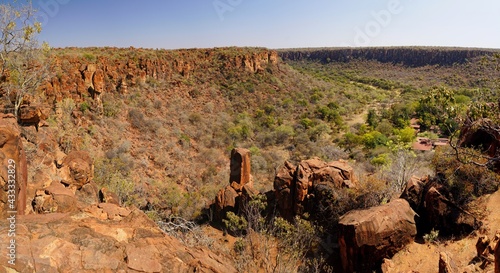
(374, 139)
(136, 118)
(464, 181)
(111, 107)
(235, 223)
(431, 237)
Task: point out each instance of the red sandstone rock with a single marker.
(368, 236)
(295, 187)
(497, 258)
(77, 169)
(240, 168)
(13, 158)
(445, 264)
(80, 242)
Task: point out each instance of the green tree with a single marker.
(374, 139)
(439, 109)
(372, 118)
(405, 135)
(22, 59)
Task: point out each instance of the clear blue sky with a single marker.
(269, 23)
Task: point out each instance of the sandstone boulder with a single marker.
(77, 169)
(436, 211)
(13, 173)
(414, 191)
(32, 114)
(107, 196)
(445, 216)
(55, 198)
(445, 263)
(312, 182)
(368, 236)
(226, 200)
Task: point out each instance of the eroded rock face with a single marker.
(77, 169)
(13, 170)
(33, 114)
(368, 236)
(445, 263)
(72, 191)
(484, 134)
(83, 242)
(99, 73)
(299, 188)
(436, 211)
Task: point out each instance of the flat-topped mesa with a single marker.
(94, 71)
(408, 56)
(13, 172)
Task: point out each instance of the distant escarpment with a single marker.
(408, 56)
(93, 71)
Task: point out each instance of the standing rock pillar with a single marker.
(13, 168)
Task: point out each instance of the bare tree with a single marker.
(22, 60)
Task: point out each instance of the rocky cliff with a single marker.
(93, 71)
(412, 57)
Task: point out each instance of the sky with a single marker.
(172, 24)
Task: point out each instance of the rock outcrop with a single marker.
(33, 115)
(299, 188)
(74, 227)
(101, 70)
(240, 187)
(240, 169)
(497, 258)
(486, 249)
(85, 242)
(13, 171)
(368, 236)
(483, 134)
(76, 169)
(445, 263)
(436, 211)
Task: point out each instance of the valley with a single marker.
(248, 159)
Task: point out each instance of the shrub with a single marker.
(84, 106)
(235, 223)
(374, 139)
(136, 118)
(464, 181)
(431, 237)
(111, 107)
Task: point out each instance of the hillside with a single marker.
(159, 125)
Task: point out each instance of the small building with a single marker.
(426, 144)
(422, 144)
